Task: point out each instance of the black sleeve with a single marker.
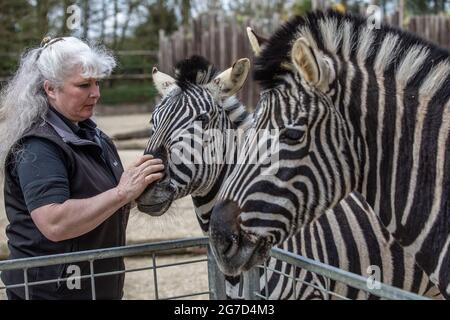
(42, 173)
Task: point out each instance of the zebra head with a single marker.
(183, 124)
(262, 203)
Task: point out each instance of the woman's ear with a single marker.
(49, 89)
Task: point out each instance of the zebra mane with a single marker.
(344, 37)
(194, 70)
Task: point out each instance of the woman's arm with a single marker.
(75, 217)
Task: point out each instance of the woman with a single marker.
(65, 188)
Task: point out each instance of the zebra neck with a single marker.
(399, 123)
(204, 204)
(237, 113)
(236, 118)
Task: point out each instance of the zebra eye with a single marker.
(203, 118)
(291, 136)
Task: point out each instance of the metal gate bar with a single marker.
(348, 278)
(216, 280)
(92, 255)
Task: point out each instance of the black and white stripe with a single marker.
(381, 128)
(324, 239)
(349, 237)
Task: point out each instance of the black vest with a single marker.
(92, 170)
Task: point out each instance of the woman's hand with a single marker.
(75, 217)
(138, 176)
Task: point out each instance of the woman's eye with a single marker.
(88, 84)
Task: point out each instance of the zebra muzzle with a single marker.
(235, 250)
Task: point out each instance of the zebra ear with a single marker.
(312, 65)
(231, 80)
(163, 82)
(256, 41)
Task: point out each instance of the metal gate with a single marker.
(250, 281)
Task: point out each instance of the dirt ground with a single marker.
(179, 222)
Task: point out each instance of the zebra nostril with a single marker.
(171, 188)
(233, 246)
(225, 228)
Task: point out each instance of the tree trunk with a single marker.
(42, 8)
(318, 4)
(104, 16)
(64, 30)
(132, 5)
(439, 6)
(185, 11)
(86, 15)
(383, 5)
(116, 13)
(401, 12)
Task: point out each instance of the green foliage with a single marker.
(16, 32)
(160, 16)
(300, 7)
(130, 92)
(23, 23)
(261, 9)
(416, 7)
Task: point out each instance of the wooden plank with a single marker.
(162, 39)
(203, 49)
(128, 77)
(212, 39)
(153, 53)
(234, 39)
(223, 40)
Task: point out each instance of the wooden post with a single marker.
(318, 5)
(162, 38)
(234, 39)
(401, 12)
(212, 40)
(223, 42)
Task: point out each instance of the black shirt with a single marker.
(41, 166)
(85, 129)
(55, 164)
(42, 174)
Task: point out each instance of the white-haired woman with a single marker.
(65, 188)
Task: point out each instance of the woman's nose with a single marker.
(95, 91)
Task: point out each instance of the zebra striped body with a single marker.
(350, 237)
(358, 109)
(346, 255)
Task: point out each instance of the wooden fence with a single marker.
(223, 40)
(432, 28)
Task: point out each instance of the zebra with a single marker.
(356, 109)
(178, 110)
(351, 237)
(197, 100)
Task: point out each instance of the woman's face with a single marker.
(77, 98)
